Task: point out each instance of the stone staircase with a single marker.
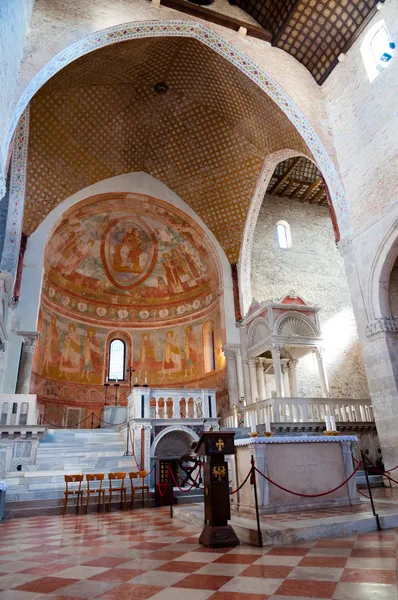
(375, 480)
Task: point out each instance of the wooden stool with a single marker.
(134, 488)
(97, 490)
(75, 492)
(117, 477)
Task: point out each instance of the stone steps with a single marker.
(375, 481)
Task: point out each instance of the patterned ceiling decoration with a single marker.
(206, 138)
(315, 32)
(298, 178)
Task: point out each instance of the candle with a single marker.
(327, 421)
(117, 380)
(136, 380)
(333, 423)
(267, 423)
(145, 381)
(107, 380)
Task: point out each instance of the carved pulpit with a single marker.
(216, 532)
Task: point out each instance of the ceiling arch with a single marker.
(206, 138)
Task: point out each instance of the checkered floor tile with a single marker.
(146, 554)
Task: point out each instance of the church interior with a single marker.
(199, 299)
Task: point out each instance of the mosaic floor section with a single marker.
(146, 554)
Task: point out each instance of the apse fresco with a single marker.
(77, 352)
(129, 258)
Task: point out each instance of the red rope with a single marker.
(242, 484)
(309, 495)
(380, 472)
(133, 451)
(176, 482)
(70, 426)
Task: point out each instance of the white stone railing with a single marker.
(18, 409)
(177, 403)
(302, 410)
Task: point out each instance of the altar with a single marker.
(306, 465)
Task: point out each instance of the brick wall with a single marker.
(314, 269)
(364, 124)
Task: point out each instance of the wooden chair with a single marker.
(115, 488)
(135, 488)
(73, 479)
(95, 490)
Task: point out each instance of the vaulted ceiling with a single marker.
(299, 179)
(315, 32)
(206, 137)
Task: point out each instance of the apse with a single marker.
(131, 269)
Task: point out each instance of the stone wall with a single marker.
(365, 126)
(14, 22)
(314, 269)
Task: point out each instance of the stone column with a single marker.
(253, 379)
(286, 382)
(239, 369)
(292, 371)
(260, 378)
(233, 393)
(29, 339)
(347, 458)
(245, 367)
(322, 374)
(276, 358)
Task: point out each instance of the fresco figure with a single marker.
(128, 252)
(174, 285)
(190, 351)
(147, 355)
(171, 356)
(91, 355)
(74, 260)
(70, 355)
(51, 354)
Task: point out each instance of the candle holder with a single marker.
(106, 385)
(331, 433)
(266, 434)
(253, 434)
(116, 386)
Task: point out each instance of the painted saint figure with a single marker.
(70, 355)
(91, 355)
(127, 253)
(190, 351)
(147, 355)
(51, 354)
(171, 356)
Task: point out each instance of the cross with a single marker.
(220, 444)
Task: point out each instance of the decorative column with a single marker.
(232, 377)
(322, 374)
(292, 372)
(276, 359)
(239, 368)
(29, 339)
(286, 382)
(260, 378)
(253, 378)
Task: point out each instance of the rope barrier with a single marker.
(68, 426)
(133, 451)
(309, 495)
(379, 471)
(242, 484)
(190, 488)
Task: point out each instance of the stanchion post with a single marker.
(92, 420)
(254, 483)
(127, 453)
(370, 493)
(172, 493)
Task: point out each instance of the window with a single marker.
(208, 347)
(377, 50)
(284, 235)
(117, 359)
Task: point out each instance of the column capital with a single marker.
(229, 352)
(344, 246)
(319, 351)
(3, 187)
(251, 362)
(259, 361)
(292, 364)
(382, 325)
(29, 339)
(276, 349)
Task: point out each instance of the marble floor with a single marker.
(146, 554)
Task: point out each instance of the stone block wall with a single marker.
(14, 22)
(313, 269)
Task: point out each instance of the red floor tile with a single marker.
(237, 596)
(164, 555)
(45, 585)
(203, 582)
(335, 544)
(285, 551)
(267, 571)
(150, 546)
(369, 576)
(42, 570)
(180, 566)
(117, 575)
(323, 561)
(106, 561)
(128, 591)
(307, 588)
(386, 552)
(237, 559)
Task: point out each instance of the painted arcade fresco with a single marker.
(129, 258)
(131, 267)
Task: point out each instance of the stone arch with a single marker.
(379, 278)
(169, 430)
(258, 331)
(291, 324)
(244, 266)
(199, 31)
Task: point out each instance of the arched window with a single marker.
(284, 235)
(377, 50)
(209, 355)
(117, 360)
